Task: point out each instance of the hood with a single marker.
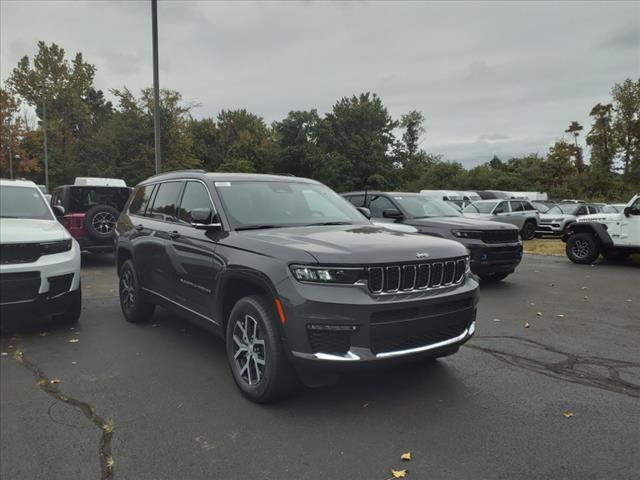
(600, 217)
(553, 216)
(349, 244)
(23, 230)
(459, 223)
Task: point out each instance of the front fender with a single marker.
(597, 229)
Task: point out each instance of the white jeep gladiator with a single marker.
(614, 235)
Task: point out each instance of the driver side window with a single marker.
(378, 205)
(635, 207)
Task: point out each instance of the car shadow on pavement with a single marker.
(98, 259)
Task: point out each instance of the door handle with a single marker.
(174, 234)
(139, 227)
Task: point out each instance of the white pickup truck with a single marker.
(614, 235)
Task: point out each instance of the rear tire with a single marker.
(255, 351)
(493, 277)
(134, 308)
(582, 248)
(528, 231)
(72, 314)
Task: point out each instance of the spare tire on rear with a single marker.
(100, 222)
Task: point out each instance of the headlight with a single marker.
(467, 233)
(49, 248)
(343, 275)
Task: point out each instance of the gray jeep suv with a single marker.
(290, 274)
(518, 212)
(495, 248)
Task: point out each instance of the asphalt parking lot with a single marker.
(549, 388)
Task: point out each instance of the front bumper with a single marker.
(42, 287)
(340, 324)
(495, 259)
(41, 306)
(554, 228)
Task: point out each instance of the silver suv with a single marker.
(516, 212)
(556, 220)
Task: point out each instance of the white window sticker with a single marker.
(223, 184)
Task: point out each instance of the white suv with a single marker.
(614, 235)
(39, 260)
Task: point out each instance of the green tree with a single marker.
(626, 124)
(65, 89)
(357, 136)
(600, 139)
(574, 129)
(14, 157)
(413, 125)
(558, 168)
(297, 143)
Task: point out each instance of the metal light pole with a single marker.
(156, 85)
(46, 150)
(9, 147)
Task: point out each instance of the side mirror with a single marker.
(58, 210)
(498, 210)
(365, 211)
(391, 213)
(628, 211)
(201, 218)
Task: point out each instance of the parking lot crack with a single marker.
(106, 427)
(573, 368)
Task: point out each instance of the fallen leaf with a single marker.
(365, 405)
(539, 314)
(406, 456)
(399, 473)
(568, 414)
(74, 340)
(496, 319)
(155, 325)
(526, 325)
(55, 380)
(586, 297)
(560, 315)
(552, 284)
(584, 288)
(4, 354)
(43, 334)
(629, 300)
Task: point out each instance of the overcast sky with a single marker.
(491, 78)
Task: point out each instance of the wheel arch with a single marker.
(596, 229)
(236, 285)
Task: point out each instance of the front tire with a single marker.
(255, 352)
(134, 307)
(72, 314)
(582, 248)
(528, 231)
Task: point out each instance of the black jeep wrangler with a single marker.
(291, 275)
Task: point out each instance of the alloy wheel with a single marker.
(580, 248)
(103, 222)
(249, 350)
(127, 290)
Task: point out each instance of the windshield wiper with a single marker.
(320, 224)
(257, 227)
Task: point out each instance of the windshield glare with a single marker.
(284, 204)
(23, 202)
(422, 207)
(480, 207)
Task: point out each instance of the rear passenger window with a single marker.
(195, 196)
(140, 199)
(517, 207)
(166, 200)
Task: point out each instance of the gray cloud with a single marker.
(491, 78)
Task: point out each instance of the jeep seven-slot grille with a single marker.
(500, 236)
(417, 276)
(19, 253)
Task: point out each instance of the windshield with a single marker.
(541, 207)
(81, 199)
(284, 204)
(612, 209)
(23, 202)
(480, 207)
(564, 209)
(422, 207)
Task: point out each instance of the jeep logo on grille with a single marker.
(422, 255)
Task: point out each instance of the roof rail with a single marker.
(185, 170)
